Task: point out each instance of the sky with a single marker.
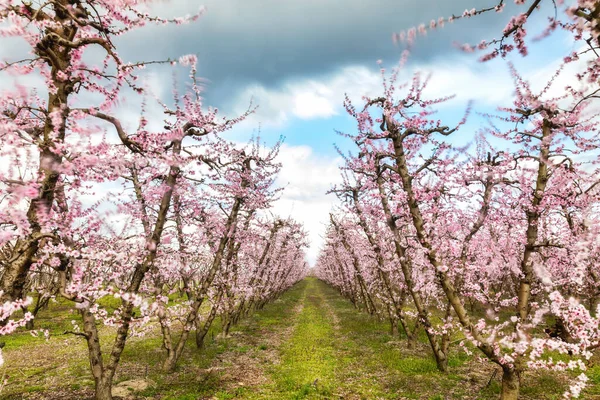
(295, 60)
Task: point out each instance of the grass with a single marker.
(309, 344)
(309, 357)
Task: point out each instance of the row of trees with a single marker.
(169, 217)
(496, 244)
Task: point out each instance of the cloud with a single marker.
(313, 104)
(306, 178)
(486, 85)
(306, 99)
(322, 97)
(240, 42)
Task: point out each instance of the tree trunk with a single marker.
(441, 360)
(29, 325)
(226, 324)
(412, 339)
(393, 326)
(409, 335)
(201, 331)
(510, 384)
(176, 351)
(170, 362)
(237, 313)
(103, 390)
(102, 376)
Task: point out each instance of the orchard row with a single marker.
(169, 218)
(493, 246)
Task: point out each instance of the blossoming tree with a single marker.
(498, 229)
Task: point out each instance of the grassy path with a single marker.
(309, 360)
(314, 359)
(308, 344)
(329, 351)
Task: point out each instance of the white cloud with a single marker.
(307, 98)
(306, 177)
(313, 104)
(322, 97)
(485, 84)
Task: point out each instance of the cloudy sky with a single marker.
(295, 59)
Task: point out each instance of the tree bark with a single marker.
(533, 217)
(103, 390)
(510, 384)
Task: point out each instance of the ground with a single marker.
(309, 344)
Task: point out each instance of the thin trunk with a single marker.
(175, 351)
(201, 331)
(409, 334)
(393, 321)
(419, 225)
(171, 361)
(93, 341)
(510, 384)
(533, 217)
(231, 279)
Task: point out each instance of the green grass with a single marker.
(309, 344)
(309, 358)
